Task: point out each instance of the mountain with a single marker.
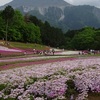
(37, 3)
(60, 13)
(77, 17)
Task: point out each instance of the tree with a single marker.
(96, 44)
(7, 15)
(2, 35)
(30, 33)
(14, 35)
(84, 39)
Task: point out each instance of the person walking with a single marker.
(53, 51)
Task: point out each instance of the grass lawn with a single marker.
(28, 45)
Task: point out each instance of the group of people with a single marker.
(44, 52)
(89, 52)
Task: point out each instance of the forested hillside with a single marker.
(29, 29)
(18, 29)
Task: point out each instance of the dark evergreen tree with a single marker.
(7, 15)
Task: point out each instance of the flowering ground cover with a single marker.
(10, 54)
(22, 62)
(5, 51)
(52, 81)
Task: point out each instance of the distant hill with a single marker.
(60, 13)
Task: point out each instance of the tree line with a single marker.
(84, 39)
(27, 28)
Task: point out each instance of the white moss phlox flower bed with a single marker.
(57, 80)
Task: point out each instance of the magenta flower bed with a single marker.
(39, 61)
(9, 53)
(14, 51)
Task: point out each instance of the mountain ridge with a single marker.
(59, 13)
(38, 3)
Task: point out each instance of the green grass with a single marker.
(28, 45)
(24, 45)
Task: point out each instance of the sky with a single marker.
(2, 2)
(95, 3)
(74, 2)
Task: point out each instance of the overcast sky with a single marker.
(74, 2)
(2, 2)
(85, 2)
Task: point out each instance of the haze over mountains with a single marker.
(60, 13)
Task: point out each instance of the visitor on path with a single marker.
(53, 51)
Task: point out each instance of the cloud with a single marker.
(2, 2)
(84, 2)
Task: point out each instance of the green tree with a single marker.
(30, 33)
(2, 31)
(82, 42)
(17, 26)
(18, 20)
(14, 35)
(96, 44)
(35, 20)
(52, 36)
(84, 39)
(7, 15)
